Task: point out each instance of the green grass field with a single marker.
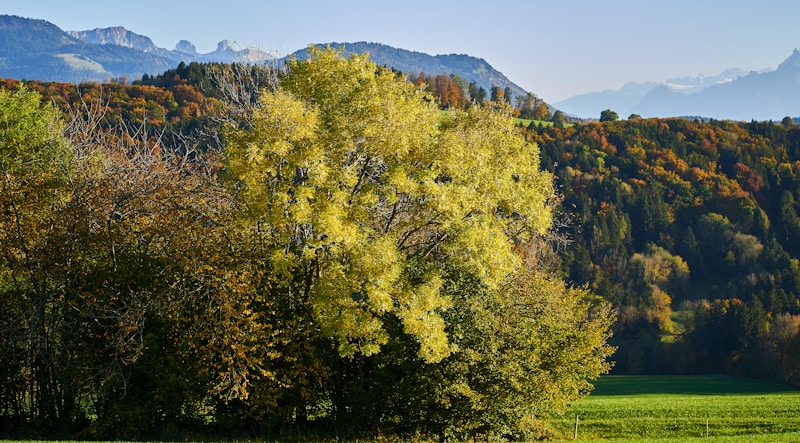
(676, 409)
(526, 122)
(544, 123)
(76, 61)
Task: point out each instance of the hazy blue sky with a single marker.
(552, 48)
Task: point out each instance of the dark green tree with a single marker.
(497, 94)
(559, 119)
(476, 93)
(608, 116)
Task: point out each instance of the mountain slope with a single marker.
(625, 99)
(184, 51)
(117, 36)
(757, 96)
(467, 67)
(591, 104)
(39, 50)
(732, 95)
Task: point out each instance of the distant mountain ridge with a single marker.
(467, 67)
(769, 95)
(117, 36)
(184, 50)
(731, 95)
(33, 49)
(625, 99)
(38, 50)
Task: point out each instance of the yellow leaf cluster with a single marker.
(366, 188)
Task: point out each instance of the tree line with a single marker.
(306, 251)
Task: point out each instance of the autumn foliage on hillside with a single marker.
(691, 230)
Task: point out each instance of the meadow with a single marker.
(684, 408)
(673, 409)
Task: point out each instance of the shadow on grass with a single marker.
(684, 385)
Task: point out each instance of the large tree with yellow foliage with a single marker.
(370, 210)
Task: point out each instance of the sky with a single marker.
(554, 49)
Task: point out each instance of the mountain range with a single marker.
(33, 49)
(184, 51)
(39, 50)
(469, 68)
(733, 95)
(623, 100)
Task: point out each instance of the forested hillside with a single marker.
(691, 230)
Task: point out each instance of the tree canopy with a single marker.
(358, 175)
(608, 116)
